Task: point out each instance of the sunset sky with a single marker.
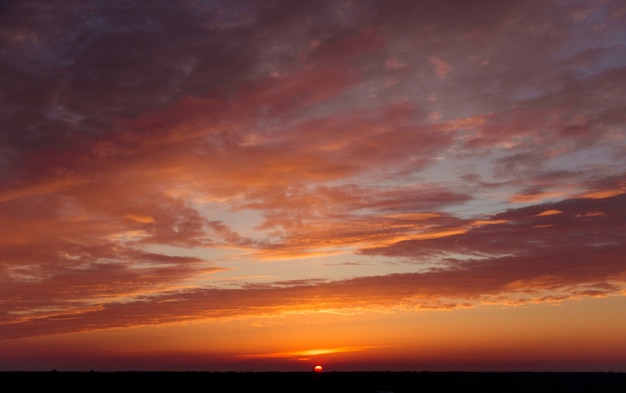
(274, 184)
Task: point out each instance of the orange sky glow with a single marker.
(274, 185)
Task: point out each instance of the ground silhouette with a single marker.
(326, 382)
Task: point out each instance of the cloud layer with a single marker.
(448, 154)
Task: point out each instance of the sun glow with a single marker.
(306, 354)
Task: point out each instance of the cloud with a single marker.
(306, 354)
(522, 256)
(481, 143)
(442, 69)
(526, 231)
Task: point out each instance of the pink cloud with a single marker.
(442, 69)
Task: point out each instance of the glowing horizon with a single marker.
(251, 185)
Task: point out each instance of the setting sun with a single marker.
(318, 369)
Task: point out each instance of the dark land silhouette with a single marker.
(326, 382)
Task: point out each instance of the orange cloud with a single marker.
(306, 354)
(548, 213)
(603, 194)
(503, 270)
(535, 197)
(139, 218)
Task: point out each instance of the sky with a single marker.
(269, 185)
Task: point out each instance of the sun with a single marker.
(318, 369)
